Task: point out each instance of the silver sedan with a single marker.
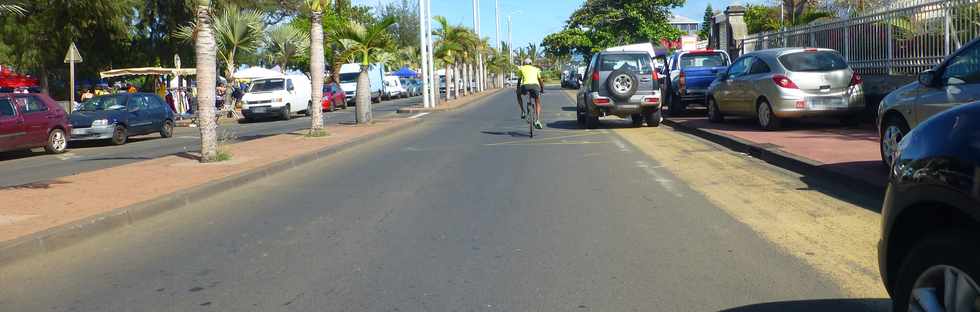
(772, 85)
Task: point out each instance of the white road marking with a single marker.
(666, 183)
(622, 146)
(67, 156)
(418, 115)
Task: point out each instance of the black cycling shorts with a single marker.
(533, 89)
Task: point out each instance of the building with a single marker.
(689, 26)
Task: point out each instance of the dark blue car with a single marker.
(116, 117)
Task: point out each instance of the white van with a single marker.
(393, 88)
(280, 97)
(348, 81)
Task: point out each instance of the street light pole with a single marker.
(433, 77)
(500, 79)
(423, 64)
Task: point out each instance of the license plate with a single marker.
(259, 110)
(827, 102)
(79, 131)
(628, 106)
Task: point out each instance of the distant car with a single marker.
(393, 88)
(32, 120)
(929, 253)
(778, 84)
(623, 83)
(512, 82)
(953, 82)
(570, 81)
(279, 97)
(116, 117)
(412, 87)
(333, 97)
(688, 76)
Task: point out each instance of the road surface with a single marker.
(461, 213)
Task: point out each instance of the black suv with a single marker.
(621, 83)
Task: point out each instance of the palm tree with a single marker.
(205, 48)
(286, 42)
(12, 7)
(366, 41)
(316, 64)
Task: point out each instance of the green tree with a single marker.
(760, 18)
(11, 7)
(599, 24)
(705, 31)
(285, 43)
(406, 28)
(366, 41)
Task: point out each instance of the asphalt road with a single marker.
(18, 168)
(462, 213)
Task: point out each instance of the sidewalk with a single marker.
(824, 146)
(450, 105)
(47, 215)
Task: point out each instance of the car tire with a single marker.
(677, 107)
(714, 113)
(653, 118)
(57, 142)
(766, 118)
(637, 120)
(167, 130)
(119, 135)
(893, 130)
(937, 254)
(286, 113)
(622, 84)
(591, 122)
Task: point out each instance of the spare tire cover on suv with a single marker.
(622, 84)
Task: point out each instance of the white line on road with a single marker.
(418, 115)
(621, 145)
(667, 184)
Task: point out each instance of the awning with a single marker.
(256, 72)
(405, 73)
(148, 71)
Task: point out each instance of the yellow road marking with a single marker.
(834, 237)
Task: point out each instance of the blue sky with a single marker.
(535, 19)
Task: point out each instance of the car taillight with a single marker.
(856, 79)
(784, 82)
(681, 82)
(651, 100)
(595, 76)
(600, 101)
(655, 76)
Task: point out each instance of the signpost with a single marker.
(71, 58)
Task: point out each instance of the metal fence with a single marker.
(902, 38)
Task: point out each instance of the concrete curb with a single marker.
(65, 235)
(782, 159)
(460, 103)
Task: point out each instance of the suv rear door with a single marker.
(638, 63)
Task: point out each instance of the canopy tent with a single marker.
(256, 72)
(9, 79)
(148, 71)
(405, 72)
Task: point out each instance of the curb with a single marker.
(68, 234)
(462, 103)
(782, 159)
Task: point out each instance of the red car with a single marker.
(32, 120)
(333, 97)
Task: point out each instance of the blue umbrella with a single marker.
(405, 73)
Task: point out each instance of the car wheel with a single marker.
(767, 120)
(941, 272)
(714, 114)
(677, 107)
(119, 135)
(894, 129)
(57, 142)
(167, 130)
(637, 120)
(286, 113)
(653, 118)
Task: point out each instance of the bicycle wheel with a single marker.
(530, 117)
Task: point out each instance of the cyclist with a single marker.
(529, 82)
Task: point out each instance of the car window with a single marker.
(105, 102)
(266, 85)
(153, 102)
(759, 67)
(710, 59)
(964, 66)
(289, 84)
(740, 67)
(31, 104)
(6, 108)
(813, 61)
(141, 102)
(639, 63)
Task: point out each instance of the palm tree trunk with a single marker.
(450, 82)
(363, 108)
(205, 50)
(466, 78)
(316, 71)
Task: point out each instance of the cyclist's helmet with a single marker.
(527, 61)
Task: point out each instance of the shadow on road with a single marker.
(116, 158)
(508, 133)
(569, 109)
(841, 305)
(34, 185)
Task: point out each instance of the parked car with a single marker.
(333, 97)
(32, 120)
(116, 117)
(393, 88)
(953, 82)
(277, 97)
(623, 83)
(412, 86)
(348, 80)
(929, 253)
(570, 80)
(688, 75)
(511, 82)
(777, 84)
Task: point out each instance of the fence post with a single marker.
(888, 41)
(946, 28)
(847, 38)
(813, 36)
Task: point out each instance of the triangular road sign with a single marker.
(73, 56)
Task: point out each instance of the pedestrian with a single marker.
(86, 95)
(220, 92)
(131, 89)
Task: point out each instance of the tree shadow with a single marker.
(34, 185)
(569, 109)
(821, 305)
(565, 124)
(508, 133)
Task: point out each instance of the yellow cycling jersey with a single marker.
(529, 74)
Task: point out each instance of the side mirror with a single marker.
(927, 78)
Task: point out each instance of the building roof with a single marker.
(677, 19)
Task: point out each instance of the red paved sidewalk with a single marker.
(850, 151)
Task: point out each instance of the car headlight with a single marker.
(277, 100)
(100, 123)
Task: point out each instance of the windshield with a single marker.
(814, 61)
(703, 60)
(348, 77)
(105, 102)
(267, 85)
(640, 63)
